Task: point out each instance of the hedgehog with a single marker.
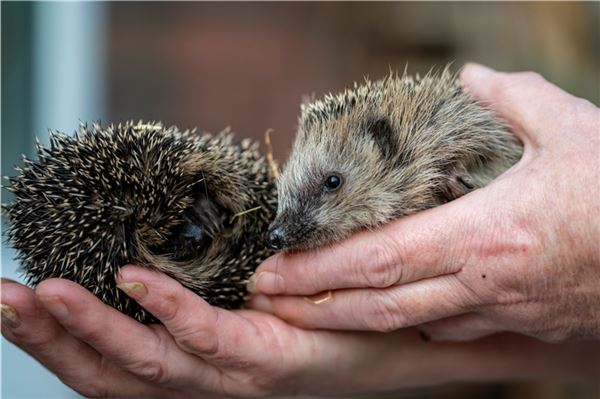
(383, 150)
(193, 206)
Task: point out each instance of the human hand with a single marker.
(201, 350)
(519, 255)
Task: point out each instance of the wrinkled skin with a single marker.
(202, 351)
(519, 255)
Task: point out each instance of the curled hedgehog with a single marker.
(192, 206)
(383, 150)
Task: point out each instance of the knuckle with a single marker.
(191, 333)
(529, 77)
(168, 306)
(384, 270)
(508, 85)
(153, 367)
(383, 313)
(152, 370)
(503, 86)
(196, 339)
(197, 342)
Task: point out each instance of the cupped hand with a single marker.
(199, 350)
(519, 255)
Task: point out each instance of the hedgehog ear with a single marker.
(381, 130)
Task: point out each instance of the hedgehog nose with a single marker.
(275, 238)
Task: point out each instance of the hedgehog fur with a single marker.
(392, 147)
(192, 206)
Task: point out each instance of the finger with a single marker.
(516, 98)
(466, 327)
(222, 337)
(8, 280)
(148, 353)
(417, 247)
(28, 325)
(383, 310)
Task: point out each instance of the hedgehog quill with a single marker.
(192, 206)
(383, 150)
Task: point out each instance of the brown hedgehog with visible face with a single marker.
(384, 150)
(192, 206)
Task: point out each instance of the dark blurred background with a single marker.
(247, 65)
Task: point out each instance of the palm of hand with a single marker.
(197, 350)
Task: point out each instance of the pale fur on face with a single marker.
(438, 134)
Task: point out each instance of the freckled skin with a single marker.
(400, 145)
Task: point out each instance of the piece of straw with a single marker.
(319, 301)
(270, 160)
(243, 213)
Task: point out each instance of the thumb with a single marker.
(419, 246)
(531, 105)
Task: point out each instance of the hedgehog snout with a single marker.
(289, 230)
(276, 238)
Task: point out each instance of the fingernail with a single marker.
(260, 302)
(56, 307)
(10, 317)
(266, 283)
(134, 289)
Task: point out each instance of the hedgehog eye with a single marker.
(333, 182)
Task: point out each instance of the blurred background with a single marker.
(247, 66)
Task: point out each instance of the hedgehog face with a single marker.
(143, 194)
(330, 185)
